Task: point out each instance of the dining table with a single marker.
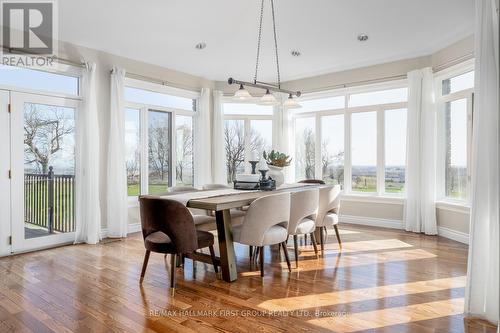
(221, 202)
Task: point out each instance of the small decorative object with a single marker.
(263, 168)
(254, 159)
(253, 164)
(277, 161)
(246, 182)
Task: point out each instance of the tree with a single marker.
(309, 143)
(159, 149)
(184, 151)
(45, 129)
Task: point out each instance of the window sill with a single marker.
(454, 206)
(373, 198)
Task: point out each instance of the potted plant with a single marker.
(277, 161)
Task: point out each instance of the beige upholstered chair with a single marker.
(303, 210)
(236, 214)
(328, 211)
(266, 223)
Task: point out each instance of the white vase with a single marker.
(277, 174)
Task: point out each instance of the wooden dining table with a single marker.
(222, 205)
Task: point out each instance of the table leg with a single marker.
(226, 247)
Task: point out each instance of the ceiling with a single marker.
(165, 32)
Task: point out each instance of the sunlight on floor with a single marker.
(392, 316)
(361, 246)
(364, 294)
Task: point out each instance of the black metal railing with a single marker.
(50, 201)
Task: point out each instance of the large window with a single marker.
(455, 116)
(248, 132)
(305, 148)
(364, 151)
(357, 140)
(158, 139)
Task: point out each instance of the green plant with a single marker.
(276, 158)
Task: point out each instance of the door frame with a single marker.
(19, 243)
(5, 202)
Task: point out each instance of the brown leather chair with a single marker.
(312, 181)
(168, 227)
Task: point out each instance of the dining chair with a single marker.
(266, 223)
(328, 212)
(312, 181)
(168, 228)
(303, 210)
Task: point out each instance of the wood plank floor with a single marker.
(382, 281)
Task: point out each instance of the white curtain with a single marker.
(202, 156)
(482, 291)
(87, 203)
(419, 208)
(219, 168)
(116, 175)
(281, 132)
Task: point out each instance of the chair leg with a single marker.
(296, 249)
(305, 240)
(313, 241)
(144, 265)
(250, 251)
(261, 254)
(283, 245)
(321, 238)
(256, 253)
(338, 235)
(212, 254)
(173, 259)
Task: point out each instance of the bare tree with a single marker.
(159, 149)
(234, 139)
(133, 167)
(309, 156)
(184, 151)
(45, 128)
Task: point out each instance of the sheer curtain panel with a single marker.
(219, 167)
(202, 157)
(87, 201)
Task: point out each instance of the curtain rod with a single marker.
(435, 69)
(159, 81)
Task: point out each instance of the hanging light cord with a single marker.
(259, 40)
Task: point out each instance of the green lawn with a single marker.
(134, 189)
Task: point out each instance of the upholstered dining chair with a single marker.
(265, 223)
(328, 212)
(168, 228)
(303, 210)
(312, 181)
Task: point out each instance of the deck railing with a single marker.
(50, 201)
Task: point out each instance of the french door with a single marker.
(42, 164)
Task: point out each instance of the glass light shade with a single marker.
(268, 99)
(242, 94)
(291, 103)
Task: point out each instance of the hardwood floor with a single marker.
(382, 281)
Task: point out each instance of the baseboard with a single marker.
(371, 221)
(458, 236)
(133, 227)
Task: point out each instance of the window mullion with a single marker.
(247, 145)
(144, 149)
(347, 153)
(317, 149)
(380, 152)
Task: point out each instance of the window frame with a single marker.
(143, 128)
(441, 100)
(247, 126)
(347, 112)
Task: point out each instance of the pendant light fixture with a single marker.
(268, 98)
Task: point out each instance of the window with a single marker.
(332, 149)
(248, 132)
(31, 79)
(455, 95)
(159, 145)
(158, 138)
(144, 96)
(379, 97)
(357, 140)
(364, 151)
(184, 143)
(234, 139)
(329, 103)
(132, 151)
(305, 147)
(395, 150)
(456, 149)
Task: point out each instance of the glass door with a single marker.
(43, 170)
